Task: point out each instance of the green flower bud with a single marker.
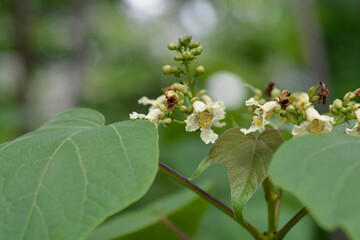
(187, 55)
(172, 46)
(258, 92)
(312, 91)
(197, 51)
(292, 98)
(333, 110)
(194, 99)
(314, 98)
(167, 69)
(180, 95)
(199, 70)
(195, 45)
(201, 93)
(343, 110)
(162, 116)
(275, 92)
(178, 58)
(338, 103)
(180, 103)
(167, 121)
(183, 108)
(283, 113)
(262, 101)
(291, 109)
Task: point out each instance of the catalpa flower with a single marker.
(315, 123)
(355, 131)
(262, 114)
(159, 102)
(204, 116)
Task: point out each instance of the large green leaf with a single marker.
(247, 159)
(146, 222)
(64, 179)
(323, 171)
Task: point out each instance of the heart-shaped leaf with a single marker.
(150, 222)
(247, 159)
(323, 172)
(64, 179)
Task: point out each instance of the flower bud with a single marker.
(187, 55)
(338, 103)
(162, 116)
(195, 45)
(355, 106)
(291, 109)
(194, 99)
(258, 92)
(172, 46)
(180, 103)
(167, 69)
(275, 92)
(167, 121)
(180, 95)
(183, 108)
(197, 51)
(199, 70)
(343, 110)
(312, 91)
(333, 110)
(178, 58)
(283, 113)
(201, 92)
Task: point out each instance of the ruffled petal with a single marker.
(191, 123)
(208, 135)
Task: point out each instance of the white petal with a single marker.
(216, 123)
(252, 102)
(136, 115)
(269, 106)
(208, 135)
(206, 99)
(146, 101)
(311, 114)
(355, 131)
(199, 106)
(357, 114)
(191, 124)
(327, 127)
(218, 111)
(154, 115)
(300, 130)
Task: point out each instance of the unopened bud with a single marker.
(180, 103)
(162, 116)
(343, 110)
(194, 99)
(275, 92)
(291, 109)
(167, 69)
(258, 92)
(178, 58)
(187, 55)
(197, 51)
(195, 45)
(172, 46)
(167, 121)
(313, 90)
(180, 95)
(183, 108)
(201, 93)
(199, 70)
(338, 103)
(283, 113)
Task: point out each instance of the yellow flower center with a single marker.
(316, 126)
(204, 118)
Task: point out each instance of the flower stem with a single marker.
(273, 201)
(281, 234)
(190, 80)
(221, 206)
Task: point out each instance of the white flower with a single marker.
(159, 102)
(154, 115)
(136, 115)
(302, 100)
(315, 123)
(204, 116)
(355, 131)
(262, 114)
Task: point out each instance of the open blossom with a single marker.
(159, 102)
(154, 115)
(204, 116)
(136, 115)
(262, 114)
(315, 123)
(355, 131)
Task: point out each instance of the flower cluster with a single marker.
(197, 110)
(298, 108)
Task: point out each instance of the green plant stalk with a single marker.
(221, 206)
(191, 82)
(281, 234)
(273, 201)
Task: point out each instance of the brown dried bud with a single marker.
(284, 99)
(171, 99)
(323, 94)
(269, 88)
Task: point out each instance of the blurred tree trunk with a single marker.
(20, 14)
(312, 42)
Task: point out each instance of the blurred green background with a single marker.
(106, 54)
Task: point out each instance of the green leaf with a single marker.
(147, 223)
(247, 159)
(323, 172)
(64, 179)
